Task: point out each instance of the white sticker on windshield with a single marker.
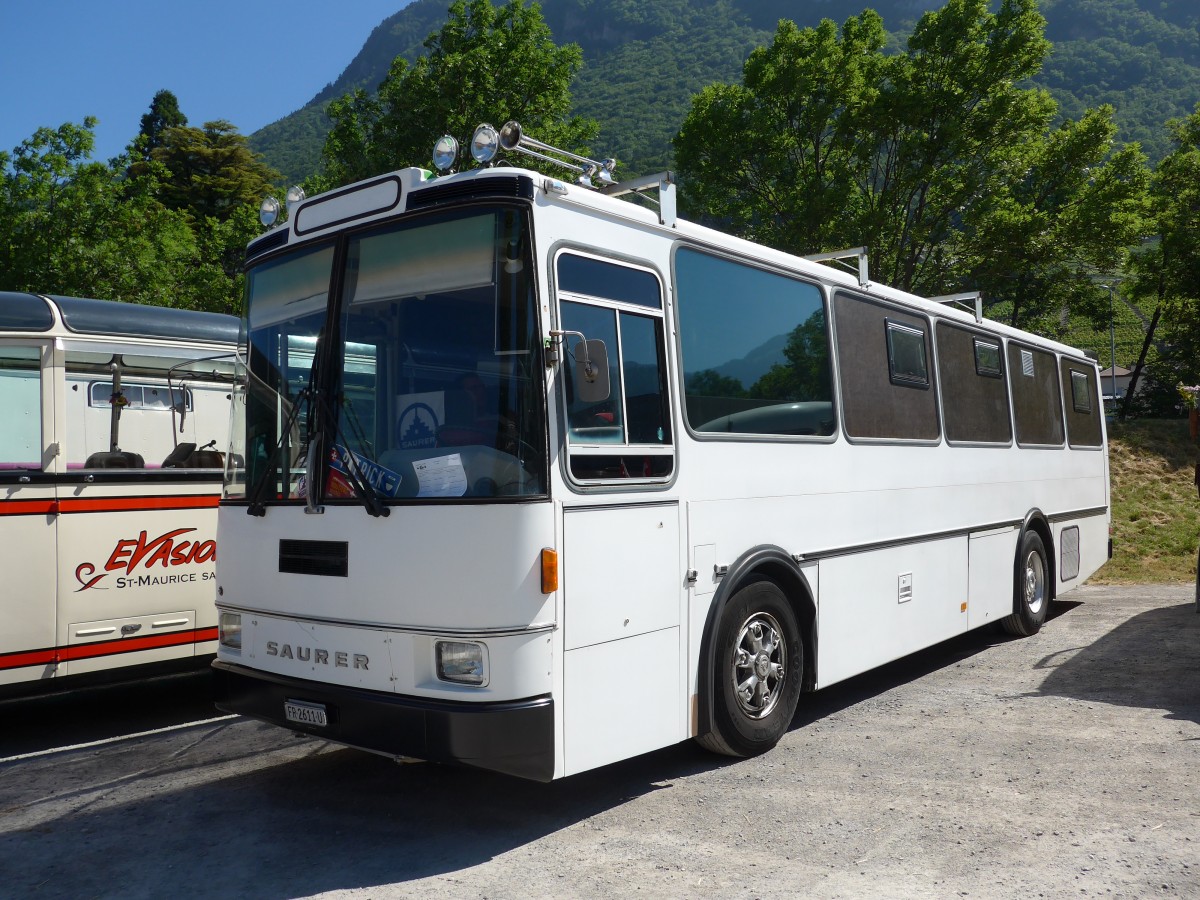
(442, 476)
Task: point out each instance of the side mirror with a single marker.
(591, 372)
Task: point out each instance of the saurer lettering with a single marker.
(319, 656)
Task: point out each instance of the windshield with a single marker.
(431, 387)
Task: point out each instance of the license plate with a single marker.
(305, 713)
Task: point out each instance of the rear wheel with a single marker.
(756, 680)
(1031, 591)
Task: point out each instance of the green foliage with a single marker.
(644, 59)
(453, 88)
(73, 226)
(164, 114)
(935, 158)
(1165, 274)
(210, 171)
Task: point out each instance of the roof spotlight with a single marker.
(268, 212)
(484, 144)
(295, 194)
(445, 152)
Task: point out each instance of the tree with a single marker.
(164, 114)
(485, 65)
(211, 171)
(1166, 273)
(70, 225)
(934, 158)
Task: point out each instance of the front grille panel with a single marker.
(330, 558)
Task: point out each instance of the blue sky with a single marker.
(247, 61)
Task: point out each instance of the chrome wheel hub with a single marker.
(759, 665)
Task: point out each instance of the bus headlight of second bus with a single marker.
(462, 662)
(231, 631)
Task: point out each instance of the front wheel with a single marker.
(756, 680)
(1031, 591)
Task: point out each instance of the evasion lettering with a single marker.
(166, 550)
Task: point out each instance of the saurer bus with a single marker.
(115, 422)
(540, 476)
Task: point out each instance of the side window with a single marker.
(907, 363)
(1036, 398)
(626, 435)
(755, 348)
(1083, 410)
(887, 386)
(21, 400)
(974, 395)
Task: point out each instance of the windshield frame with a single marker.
(319, 434)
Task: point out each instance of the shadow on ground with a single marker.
(1151, 661)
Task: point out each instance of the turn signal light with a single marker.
(549, 571)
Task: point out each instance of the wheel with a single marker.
(759, 665)
(1031, 590)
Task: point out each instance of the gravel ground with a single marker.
(1062, 765)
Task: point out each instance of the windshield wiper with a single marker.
(363, 489)
(258, 506)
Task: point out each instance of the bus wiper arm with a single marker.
(258, 506)
(362, 487)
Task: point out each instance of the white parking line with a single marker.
(114, 740)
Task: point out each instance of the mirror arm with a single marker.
(587, 363)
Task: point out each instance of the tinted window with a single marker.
(1037, 402)
(755, 349)
(906, 355)
(597, 278)
(974, 396)
(1083, 411)
(882, 353)
(626, 435)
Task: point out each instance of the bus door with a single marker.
(28, 519)
(622, 572)
(137, 522)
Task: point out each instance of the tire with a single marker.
(759, 665)
(1031, 588)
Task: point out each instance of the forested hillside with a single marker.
(644, 59)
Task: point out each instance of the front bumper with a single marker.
(515, 737)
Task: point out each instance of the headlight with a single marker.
(461, 662)
(231, 631)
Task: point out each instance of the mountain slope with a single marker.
(644, 59)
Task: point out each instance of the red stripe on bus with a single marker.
(106, 648)
(139, 504)
(28, 507)
(107, 504)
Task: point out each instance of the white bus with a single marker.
(116, 418)
(539, 478)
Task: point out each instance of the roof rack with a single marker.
(856, 253)
(962, 299)
(664, 181)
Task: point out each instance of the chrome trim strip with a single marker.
(1070, 515)
(501, 631)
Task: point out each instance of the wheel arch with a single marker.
(762, 562)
